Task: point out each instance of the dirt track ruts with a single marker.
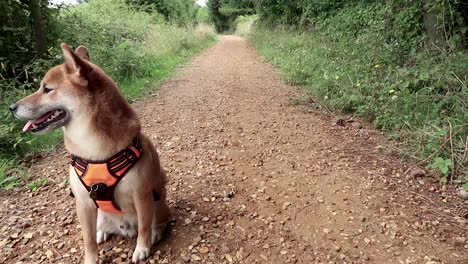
(254, 178)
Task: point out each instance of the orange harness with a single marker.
(101, 177)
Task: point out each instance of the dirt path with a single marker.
(253, 179)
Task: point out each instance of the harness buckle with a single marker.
(96, 190)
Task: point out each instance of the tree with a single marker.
(180, 11)
(39, 27)
(25, 32)
(219, 19)
(225, 12)
(203, 15)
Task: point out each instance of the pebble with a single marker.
(462, 193)
(49, 254)
(204, 250)
(225, 248)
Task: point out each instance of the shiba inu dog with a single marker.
(114, 167)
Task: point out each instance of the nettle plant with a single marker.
(443, 165)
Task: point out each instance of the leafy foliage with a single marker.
(442, 165)
(225, 12)
(203, 16)
(295, 12)
(182, 12)
(244, 24)
(9, 177)
(19, 53)
(33, 186)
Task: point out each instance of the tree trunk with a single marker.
(38, 26)
(432, 26)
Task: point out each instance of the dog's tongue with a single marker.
(30, 123)
(28, 126)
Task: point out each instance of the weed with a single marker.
(443, 165)
(33, 186)
(10, 176)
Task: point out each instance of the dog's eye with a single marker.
(47, 90)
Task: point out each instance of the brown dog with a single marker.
(99, 125)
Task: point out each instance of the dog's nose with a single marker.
(13, 107)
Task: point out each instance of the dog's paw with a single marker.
(140, 253)
(101, 236)
(91, 260)
(157, 234)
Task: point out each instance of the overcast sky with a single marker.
(200, 2)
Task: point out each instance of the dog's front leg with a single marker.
(144, 207)
(87, 215)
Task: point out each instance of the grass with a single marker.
(420, 100)
(10, 174)
(136, 87)
(34, 185)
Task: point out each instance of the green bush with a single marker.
(181, 12)
(244, 24)
(203, 16)
(224, 12)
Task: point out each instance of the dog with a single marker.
(115, 173)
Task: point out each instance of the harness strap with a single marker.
(100, 178)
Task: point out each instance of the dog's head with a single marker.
(61, 96)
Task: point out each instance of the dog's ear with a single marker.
(73, 63)
(82, 52)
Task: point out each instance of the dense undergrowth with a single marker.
(375, 60)
(135, 48)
